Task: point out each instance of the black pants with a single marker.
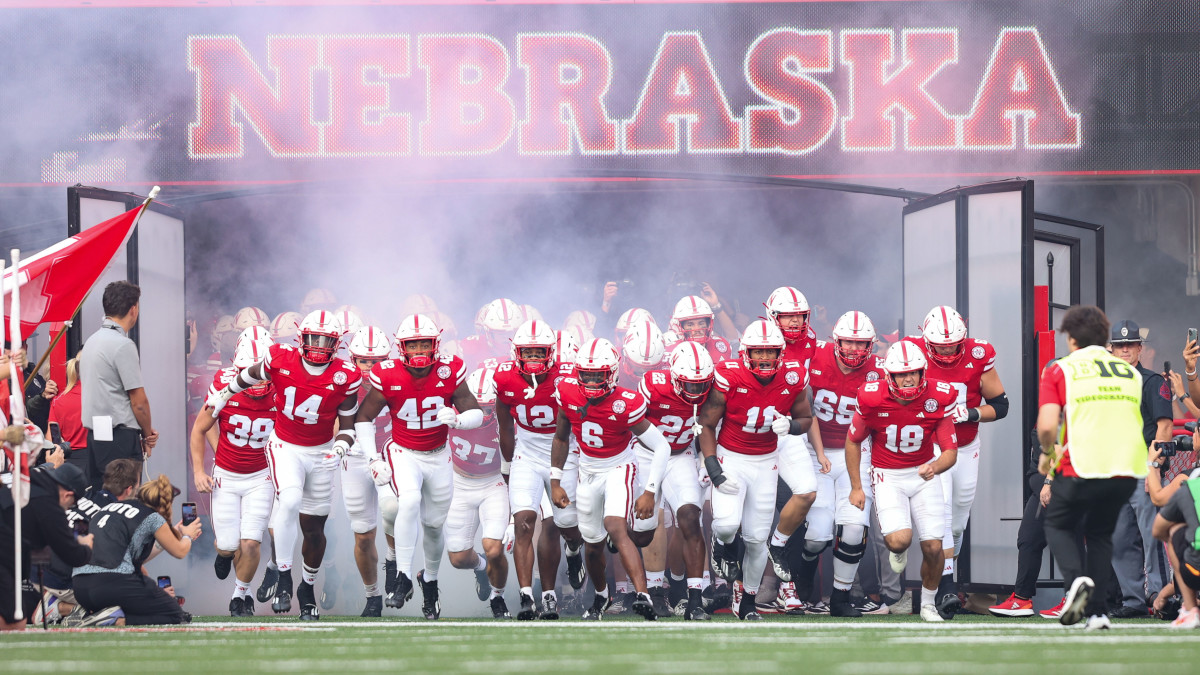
(1031, 541)
(126, 444)
(1092, 504)
(143, 602)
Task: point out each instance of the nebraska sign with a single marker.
(547, 94)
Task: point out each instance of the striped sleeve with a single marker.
(639, 410)
(461, 375)
(376, 383)
(989, 353)
(721, 381)
(642, 388)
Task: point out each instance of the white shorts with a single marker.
(753, 508)
(424, 485)
(958, 489)
(902, 497)
(832, 505)
(477, 501)
(796, 466)
(680, 487)
(307, 468)
(529, 484)
(241, 506)
(609, 493)
(359, 494)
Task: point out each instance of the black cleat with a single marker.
(695, 606)
(374, 607)
(779, 562)
(719, 597)
(306, 595)
(948, 605)
(222, 565)
(747, 610)
(528, 608)
(389, 577)
(549, 608)
(697, 614)
(723, 561)
(282, 604)
(237, 607)
(483, 585)
(599, 607)
(266, 590)
(644, 606)
(576, 572)
(430, 607)
(247, 606)
(840, 605)
(662, 606)
(610, 545)
(329, 592)
(401, 593)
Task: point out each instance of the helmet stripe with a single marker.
(695, 357)
(945, 323)
(856, 323)
(647, 353)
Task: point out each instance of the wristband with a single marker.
(973, 415)
(505, 466)
(1047, 481)
(188, 537)
(556, 473)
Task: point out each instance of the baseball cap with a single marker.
(69, 476)
(1126, 331)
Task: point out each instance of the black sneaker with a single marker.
(266, 590)
(576, 572)
(222, 565)
(662, 605)
(528, 608)
(282, 604)
(747, 610)
(374, 607)
(1127, 612)
(483, 585)
(247, 606)
(306, 595)
(236, 607)
(840, 605)
(721, 598)
(430, 607)
(610, 545)
(723, 562)
(695, 607)
(948, 605)
(499, 608)
(389, 582)
(401, 593)
(599, 606)
(549, 608)
(779, 562)
(643, 606)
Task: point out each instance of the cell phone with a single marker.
(80, 527)
(55, 433)
(1191, 337)
(189, 513)
(164, 581)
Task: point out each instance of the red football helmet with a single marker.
(414, 328)
(596, 367)
(319, 335)
(533, 335)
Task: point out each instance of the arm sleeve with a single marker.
(653, 439)
(52, 521)
(946, 439)
(128, 366)
(858, 429)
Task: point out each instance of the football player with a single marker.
(837, 371)
(426, 396)
(480, 499)
(314, 392)
(285, 328)
(526, 410)
(497, 322)
(903, 422)
(247, 317)
(759, 400)
(367, 347)
(674, 396)
(242, 492)
(694, 318)
(969, 365)
(643, 350)
(604, 418)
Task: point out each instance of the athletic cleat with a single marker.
(692, 608)
(389, 581)
(819, 607)
(697, 614)
(222, 565)
(549, 608)
(402, 593)
(599, 606)
(266, 590)
(610, 544)
(1054, 612)
(869, 606)
(723, 563)
(306, 595)
(774, 606)
(721, 598)
(328, 594)
(528, 608)
(1098, 622)
(620, 603)
(374, 607)
(747, 608)
(499, 608)
(644, 606)
(236, 607)
(104, 617)
(898, 561)
(840, 605)
(282, 604)
(662, 607)
(430, 607)
(483, 585)
(576, 572)
(1076, 601)
(778, 556)
(930, 613)
(1013, 606)
(1187, 619)
(948, 605)
(791, 603)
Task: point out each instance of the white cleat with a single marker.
(1076, 601)
(1098, 622)
(898, 561)
(930, 613)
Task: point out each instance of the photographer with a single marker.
(1176, 525)
(1160, 457)
(43, 523)
(125, 533)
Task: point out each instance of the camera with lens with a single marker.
(1181, 443)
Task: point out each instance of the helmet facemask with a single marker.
(317, 348)
(761, 364)
(908, 393)
(946, 360)
(793, 325)
(696, 329)
(535, 359)
(418, 352)
(595, 383)
(852, 353)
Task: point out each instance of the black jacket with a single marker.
(43, 523)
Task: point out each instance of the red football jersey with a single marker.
(666, 410)
(414, 402)
(383, 422)
(751, 406)
(717, 347)
(477, 353)
(476, 452)
(307, 404)
(605, 429)
(902, 436)
(243, 427)
(965, 376)
(801, 350)
(534, 410)
(835, 394)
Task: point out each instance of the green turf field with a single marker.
(809, 645)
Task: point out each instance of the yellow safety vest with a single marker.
(1103, 412)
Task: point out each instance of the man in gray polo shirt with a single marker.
(115, 410)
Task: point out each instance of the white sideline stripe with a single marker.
(1101, 636)
(985, 628)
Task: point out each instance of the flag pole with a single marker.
(49, 350)
(17, 408)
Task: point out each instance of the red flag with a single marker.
(55, 281)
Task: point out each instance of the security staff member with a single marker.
(1138, 559)
(1098, 397)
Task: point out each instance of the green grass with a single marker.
(806, 644)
